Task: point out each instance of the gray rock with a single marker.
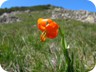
(8, 18)
(80, 15)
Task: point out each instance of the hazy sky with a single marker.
(68, 4)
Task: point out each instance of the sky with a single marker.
(67, 4)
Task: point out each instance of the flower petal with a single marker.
(52, 26)
(41, 24)
(52, 34)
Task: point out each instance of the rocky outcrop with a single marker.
(11, 17)
(61, 13)
(80, 15)
(8, 18)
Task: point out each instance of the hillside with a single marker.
(6, 15)
(22, 51)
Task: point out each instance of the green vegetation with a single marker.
(33, 8)
(22, 51)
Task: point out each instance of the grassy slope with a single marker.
(22, 51)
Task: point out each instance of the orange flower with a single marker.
(48, 27)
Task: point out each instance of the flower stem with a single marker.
(65, 52)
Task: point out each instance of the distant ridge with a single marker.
(31, 8)
(56, 13)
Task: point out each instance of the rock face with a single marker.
(8, 18)
(11, 17)
(61, 13)
(80, 15)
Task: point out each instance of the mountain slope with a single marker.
(56, 13)
(22, 51)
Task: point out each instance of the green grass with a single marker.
(22, 51)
